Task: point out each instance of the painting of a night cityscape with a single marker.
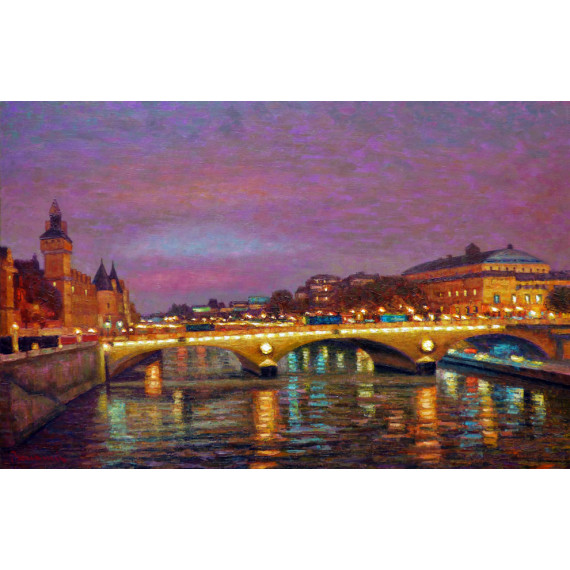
(286, 285)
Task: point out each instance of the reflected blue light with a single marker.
(320, 364)
(317, 395)
(293, 362)
(293, 396)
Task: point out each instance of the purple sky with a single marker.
(226, 200)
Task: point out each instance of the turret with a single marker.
(57, 249)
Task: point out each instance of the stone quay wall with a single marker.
(35, 386)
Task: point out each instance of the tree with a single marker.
(281, 301)
(558, 300)
(393, 294)
(181, 311)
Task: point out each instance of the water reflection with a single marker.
(428, 447)
(327, 409)
(488, 415)
(265, 413)
(153, 380)
(365, 395)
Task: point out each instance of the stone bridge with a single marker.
(414, 347)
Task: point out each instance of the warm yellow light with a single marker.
(428, 345)
(266, 348)
(15, 326)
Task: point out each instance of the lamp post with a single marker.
(15, 329)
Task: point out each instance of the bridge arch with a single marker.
(128, 357)
(492, 341)
(383, 355)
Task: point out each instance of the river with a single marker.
(194, 408)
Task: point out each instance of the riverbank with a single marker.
(556, 372)
(36, 386)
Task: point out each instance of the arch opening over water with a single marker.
(500, 345)
(346, 355)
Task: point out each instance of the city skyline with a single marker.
(227, 200)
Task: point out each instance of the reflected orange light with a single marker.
(265, 413)
(153, 380)
(427, 447)
(267, 465)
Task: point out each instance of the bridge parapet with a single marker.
(421, 343)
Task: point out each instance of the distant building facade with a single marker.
(318, 290)
(500, 282)
(8, 311)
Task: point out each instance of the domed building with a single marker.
(500, 282)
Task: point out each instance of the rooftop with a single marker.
(473, 256)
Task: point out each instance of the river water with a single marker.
(327, 409)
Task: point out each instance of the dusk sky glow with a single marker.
(226, 200)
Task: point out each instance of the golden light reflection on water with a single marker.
(263, 465)
(266, 422)
(487, 414)
(365, 393)
(450, 382)
(181, 361)
(538, 408)
(178, 406)
(265, 414)
(153, 380)
(102, 403)
(306, 358)
(363, 361)
(427, 448)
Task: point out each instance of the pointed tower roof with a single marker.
(113, 275)
(54, 210)
(101, 279)
(55, 229)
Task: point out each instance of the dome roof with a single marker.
(510, 255)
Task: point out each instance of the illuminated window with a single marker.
(449, 293)
(513, 298)
(54, 283)
(527, 298)
(457, 293)
(465, 292)
(539, 298)
(496, 298)
(72, 289)
(475, 309)
(474, 291)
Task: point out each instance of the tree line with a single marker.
(392, 294)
